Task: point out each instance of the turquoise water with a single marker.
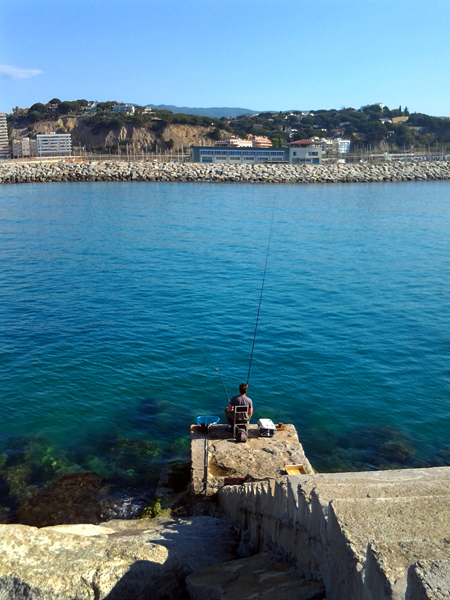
(113, 296)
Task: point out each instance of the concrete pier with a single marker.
(216, 456)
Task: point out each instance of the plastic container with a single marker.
(266, 427)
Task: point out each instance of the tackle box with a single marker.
(266, 427)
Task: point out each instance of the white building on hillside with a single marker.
(127, 109)
(54, 144)
(4, 145)
(92, 107)
(334, 145)
(343, 146)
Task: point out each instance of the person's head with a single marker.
(243, 387)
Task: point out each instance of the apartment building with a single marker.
(4, 145)
(54, 144)
(24, 148)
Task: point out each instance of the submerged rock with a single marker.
(75, 498)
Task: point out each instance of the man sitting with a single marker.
(241, 400)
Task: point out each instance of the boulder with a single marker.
(148, 558)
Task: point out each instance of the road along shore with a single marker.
(11, 172)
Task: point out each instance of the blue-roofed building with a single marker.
(233, 155)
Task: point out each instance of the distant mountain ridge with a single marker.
(216, 112)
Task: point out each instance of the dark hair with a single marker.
(243, 387)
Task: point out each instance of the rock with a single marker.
(284, 173)
(52, 564)
(429, 580)
(148, 558)
(74, 498)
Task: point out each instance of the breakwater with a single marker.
(197, 172)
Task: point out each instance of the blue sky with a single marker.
(257, 54)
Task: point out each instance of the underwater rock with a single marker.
(367, 448)
(4, 514)
(18, 478)
(75, 498)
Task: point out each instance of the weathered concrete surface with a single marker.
(357, 532)
(429, 580)
(387, 565)
(259, 457)
(252, 578)
(12, 172)
(117, 560)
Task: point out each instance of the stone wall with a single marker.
(12, 172)
(382, 535)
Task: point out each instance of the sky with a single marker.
(255, 54)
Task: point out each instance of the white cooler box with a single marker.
(266, 427)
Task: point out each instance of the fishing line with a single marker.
(260, 297)
(217, 369)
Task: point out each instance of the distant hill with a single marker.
(205, 112)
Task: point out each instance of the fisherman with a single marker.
(241, 400)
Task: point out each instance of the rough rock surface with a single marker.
(66, 170)
(118, 560)
(429, 580)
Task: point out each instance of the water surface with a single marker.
(115, 295)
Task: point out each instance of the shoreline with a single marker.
(223, 173)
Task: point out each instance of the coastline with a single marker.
(222, 173)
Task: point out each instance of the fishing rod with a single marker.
(217, 369)
(261, 295)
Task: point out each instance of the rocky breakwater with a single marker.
(11, 172)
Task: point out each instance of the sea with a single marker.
(123, 305)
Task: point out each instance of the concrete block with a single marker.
(392, 519)
(341, 561)
(387, 565)
(429, 580)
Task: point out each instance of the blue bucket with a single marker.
(207, 421)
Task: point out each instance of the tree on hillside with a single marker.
(106, 105)
(216, 134)
(54, 101)
(404, 135)
(34, 116)
(66, 107)
(277, 142)
(38, 107)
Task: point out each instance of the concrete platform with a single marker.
(216, 456)
(255, 578)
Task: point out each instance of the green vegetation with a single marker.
(152, 511)
(369, 126)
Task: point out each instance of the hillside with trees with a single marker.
(375, 126)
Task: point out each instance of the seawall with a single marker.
(382, 535)
(35, 172)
